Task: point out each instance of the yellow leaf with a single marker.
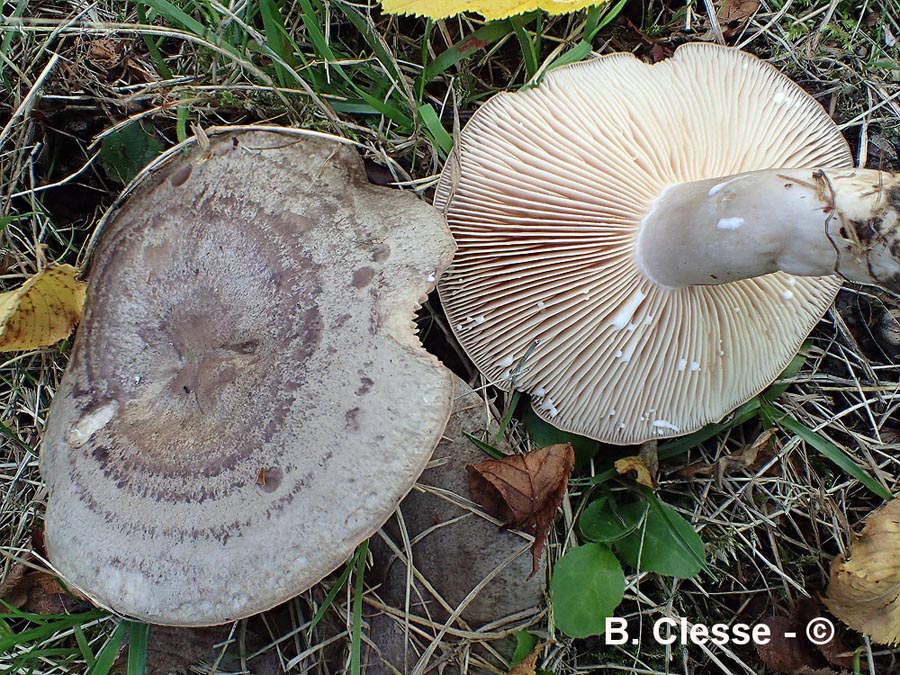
(645, 465)
(489, 9)
(864, 591)
(42, 311)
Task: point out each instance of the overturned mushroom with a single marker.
(629, 237)
(247, 399)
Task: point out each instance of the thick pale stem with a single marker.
(809, 222)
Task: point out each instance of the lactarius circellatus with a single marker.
(642, 248)
(246, 399)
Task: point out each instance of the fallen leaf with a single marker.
(738, 461)
(104, 53)
(864, 591)
(797, 654)
(42, 311)
(645, 464)
(489, 9)
(36, 591)
(524, 491)
(784, 654)
(737, 10)
(835, 651)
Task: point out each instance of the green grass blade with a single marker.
(485, 447)
(481, 38)
(152, 46)
(179, 18)
(11, 435)
(743, 414)
(598, 479)
(137, 647)
(530, 50)
(598, 18)
(110, 651)
(678, 446)
(828, 449)
(86, 652)
(45, 626)
(10, 35)
(784, 380)
(277, 38)
(326, 53)
(507, 416)
(607, 16)
(331, 595)
(181, 115)
(312, 22)
(436, 130)
(425, 54)
(356, 628)
(367, 29)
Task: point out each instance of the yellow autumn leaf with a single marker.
(42, 311)
(864, 591)
(489, 9)
(645, 465)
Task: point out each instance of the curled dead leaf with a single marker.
(42, 311)
(36, 591)
(789, 650)
(645, 465)
(747, 457)
(864, 591)
(524, 491)
(737, 10)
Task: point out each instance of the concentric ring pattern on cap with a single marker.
(247, 399)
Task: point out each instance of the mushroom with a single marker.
(247, 399)
(642, 248)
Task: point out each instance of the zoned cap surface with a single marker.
(247, 399)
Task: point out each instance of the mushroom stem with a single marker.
(808, 222)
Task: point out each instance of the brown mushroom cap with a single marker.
(545, 198)
(247, 399)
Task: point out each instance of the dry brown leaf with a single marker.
(36, 591)
(42, 311)
(524, 491)
(645, 465)
(744, 458)
(864, 591)
(798, 655)
(737, 10)
(783, 654)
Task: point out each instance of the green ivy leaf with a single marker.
(666, 543)
(587, 586)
